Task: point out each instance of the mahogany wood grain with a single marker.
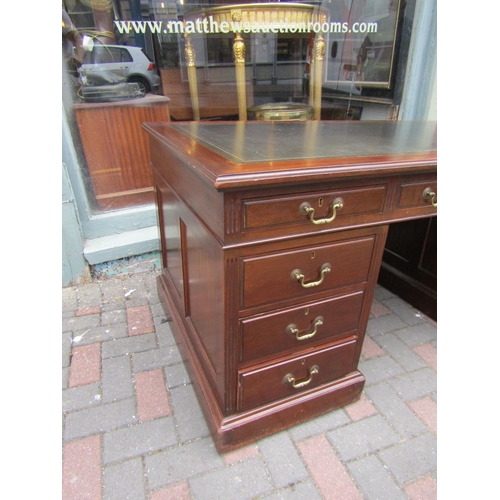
(267, 383)
(285, 210)
(264, 335)
(117, 150)
(267, 278)
(231, 237)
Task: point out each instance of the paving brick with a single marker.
(426, 409)
(66, 349)
(153, 296)
(65, 377)
(241, 454)
(113, 317)
(158, 311)
(382, 293)
(241, 481)
(428, 353)
(178, 491)
(76, 323)
(378, 369)
(128, 345)
(104, 417)
(384, 324)
(86, 311)
(85, 366)
(406, 312)
(327, 471)
(181, 462)
(78, 398)
(374, 479)
(360, 409)
(68, 314)
(371, 349)
(89, 295)
(81, 470)
(151, 395)
(176, 375)
(424, 488)
(282, 460)
(116, 379)
(99, 334)
(323, 423)
(134, 440)
(112, 294)
(416, 384)
(378, 309)
(155, 358)
(69, 297)
(417, 334)
(138, 282)
(139, 320)
(187, 413)
(411, 459)
(301, 491)
(164, 332)
(395, 410)
(139, 297)
(124, 480)
(400, 352)
(363, 437)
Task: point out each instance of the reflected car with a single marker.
(128, 62)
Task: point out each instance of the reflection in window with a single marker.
(360, 72)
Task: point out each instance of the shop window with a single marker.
(188, 73)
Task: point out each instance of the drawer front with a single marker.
(300, 327)
(303, 273)
(418, 194)
(293, 376)
(289, 210)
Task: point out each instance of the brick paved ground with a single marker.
(132, 428)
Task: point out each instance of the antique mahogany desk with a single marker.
(272, 236)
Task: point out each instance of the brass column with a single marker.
(239, 62)
(319, 52)
(193, 84)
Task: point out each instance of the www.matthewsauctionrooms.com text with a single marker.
(209, 25)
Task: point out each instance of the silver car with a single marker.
(128, 62)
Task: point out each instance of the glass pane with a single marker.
(200, 60)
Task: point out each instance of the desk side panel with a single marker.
(195, 190)
(193, 278)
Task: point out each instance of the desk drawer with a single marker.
(273, 382)
(303, 273)
(295, 328)
(418, 194)
(289, 210)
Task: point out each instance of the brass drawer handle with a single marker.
(297, 275)
(306, 209)
(429, 196)
(293, 330)
(290, 379)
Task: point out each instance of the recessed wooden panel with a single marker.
(267, 278)
(116, 148)
(285, 210)
(267, 383)
(411, 194)
(269, 334)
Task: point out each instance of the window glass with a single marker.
(184, 60)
